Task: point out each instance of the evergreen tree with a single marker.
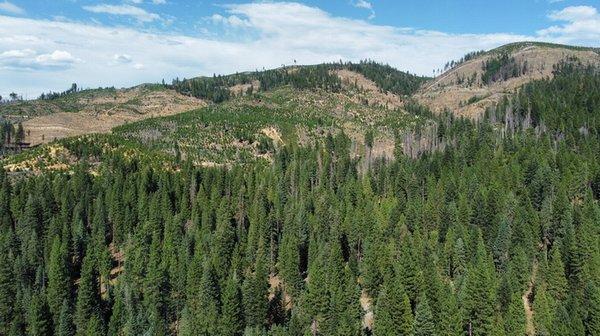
(59, 282)
(479, 293)
(64, 326)
(393, 314)
(424, 323)
(592, 322)
(255, 293)
(232, 315)
(562, 322)
(557, 283)
(542, 312)
(514, 322)
(88, 293)
(39, 320)
(7, 288)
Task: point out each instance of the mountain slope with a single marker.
(94, 111)
(470, 87)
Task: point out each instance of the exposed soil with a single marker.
(530, 328)
(373, 93)
(447, 91)
(101, 114)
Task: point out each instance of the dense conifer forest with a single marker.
(497, 233)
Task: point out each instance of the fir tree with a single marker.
(393, 314)
(88, 295)
(231, 321)
(424, 323)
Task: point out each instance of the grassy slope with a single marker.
(234, 130)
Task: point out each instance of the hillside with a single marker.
(94, 111)
(247, 115)
(471, 86)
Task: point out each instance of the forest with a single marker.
(497, 233)
(216, 88)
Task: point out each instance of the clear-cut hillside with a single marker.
(470, 87)
(94, 111)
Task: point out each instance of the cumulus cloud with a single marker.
(11, 8)
(28, 59)
(579, 23)
(272, 34)
(137, 13)
(232, 20)
(365, 5)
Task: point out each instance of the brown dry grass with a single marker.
(372, 92)
(445, 92)
(101, 114)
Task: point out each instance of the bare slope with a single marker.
(465, 90)
(95, 111)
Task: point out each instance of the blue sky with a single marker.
(46, 45)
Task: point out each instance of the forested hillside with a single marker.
(474, 227)
(218, 88)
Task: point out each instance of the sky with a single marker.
(47, 45)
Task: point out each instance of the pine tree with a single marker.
(231, 322)
(592, 322)
(480, 293)
(317, 296)
(59, 282)
(64, 326)
(88, 293)
(562, 322)
(7, 288)
(393, 314)
(255, 293)
(39, 320)
(204, 308)
(557, 283)
(155, 288)
(424, 323)
(450, 314)
(514, 322)
(344, 311)
(542, 312)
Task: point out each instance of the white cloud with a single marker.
(232, 20)
(271, 34)
(580, 23)
(574, 13)
(126, 10)
(28, 59)
(365, 5)
(122, 58)
(11, 8)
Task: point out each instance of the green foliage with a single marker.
(502, 67)
(440, 243)
(424, 324)
(393, 315)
